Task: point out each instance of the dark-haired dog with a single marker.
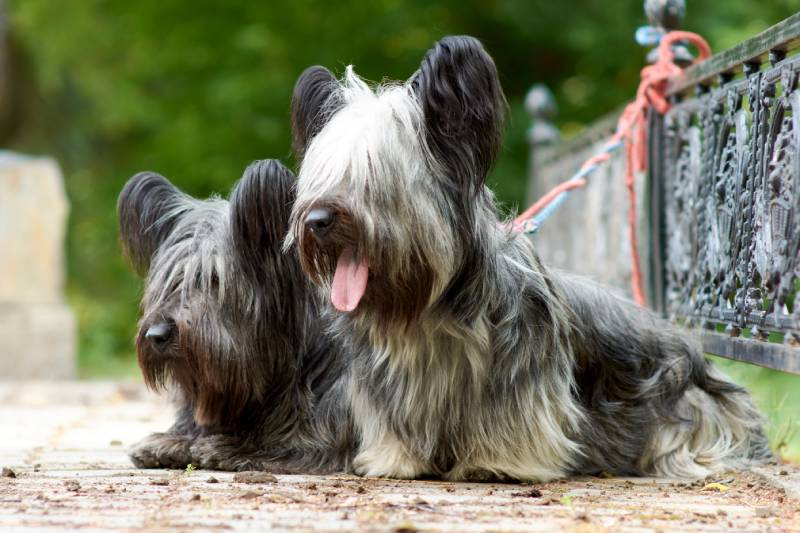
(471, 359)
(228, 324)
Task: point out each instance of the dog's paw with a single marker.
(161, 450)
(260, 464)
(388, 461)
(225, 452)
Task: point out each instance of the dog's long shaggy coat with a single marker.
(229, 323)
(470, 358)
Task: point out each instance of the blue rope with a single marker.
(533, 224)
(645, 36)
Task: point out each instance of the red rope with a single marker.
(632, 131)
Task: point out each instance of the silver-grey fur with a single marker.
(230, 326)
(470, 358)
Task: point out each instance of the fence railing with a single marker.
(720, 204)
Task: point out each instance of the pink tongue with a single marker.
(349, 281)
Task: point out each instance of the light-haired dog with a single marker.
(469, 357)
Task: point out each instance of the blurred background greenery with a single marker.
(196, 89)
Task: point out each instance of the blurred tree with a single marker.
(10, 81)
(196, 89)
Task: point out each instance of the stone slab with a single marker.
(37, 341)
(33, 214)
(37, 329)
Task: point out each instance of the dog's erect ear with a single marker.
(147, 209)
(260, 207)
(464, 108)
(316, 96)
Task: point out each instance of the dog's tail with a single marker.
(716, 427)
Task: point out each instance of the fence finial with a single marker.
(541, 106)
(665, 16)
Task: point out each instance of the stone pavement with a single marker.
(65, 443)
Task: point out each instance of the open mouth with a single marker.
(349, 280)
(329, 237)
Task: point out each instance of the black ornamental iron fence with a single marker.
(719, 205)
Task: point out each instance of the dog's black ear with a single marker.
(147, 209)
(316, 96)
(260, 207)
(464, 108)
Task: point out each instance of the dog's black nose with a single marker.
(159, 333)
(320, 221)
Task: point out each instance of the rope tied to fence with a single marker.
(631, 133)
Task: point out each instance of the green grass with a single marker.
(118, 366)
(778, 396)
(106, 336)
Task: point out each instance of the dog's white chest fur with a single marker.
(445, 415)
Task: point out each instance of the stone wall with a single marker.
(37, 329)
(588, 234)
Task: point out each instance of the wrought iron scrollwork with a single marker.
(731, 185)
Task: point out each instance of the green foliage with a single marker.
(196, 89)
(778, 396)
